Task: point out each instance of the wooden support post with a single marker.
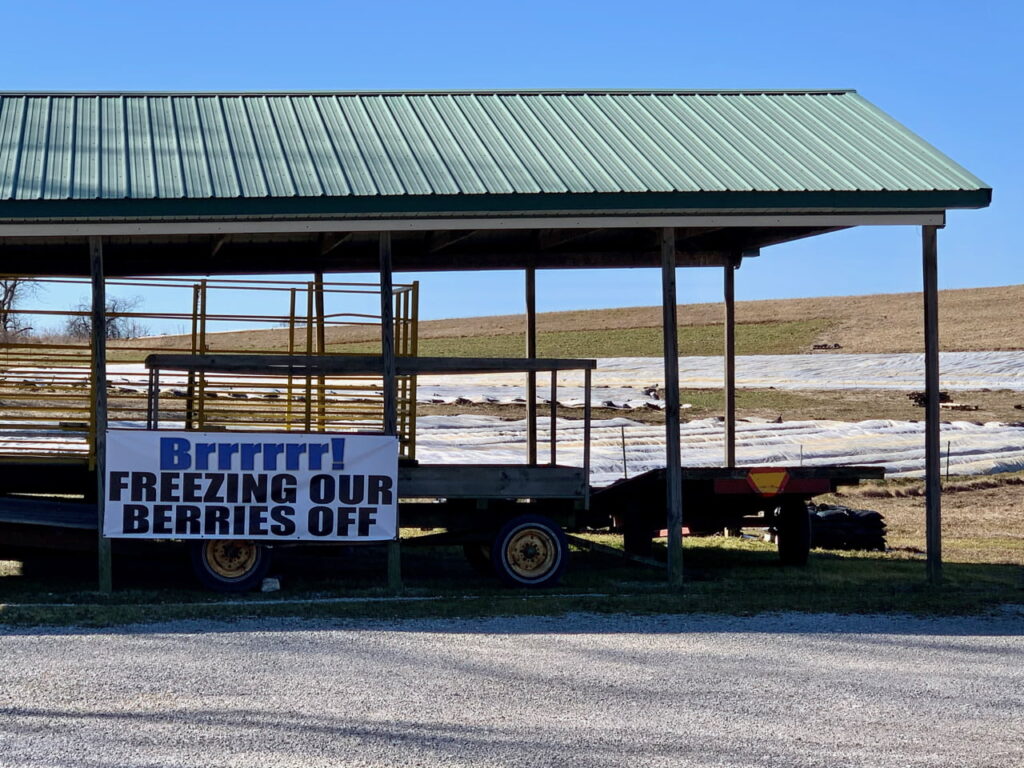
(730, 365)
(932, 461)
(531, 377)
(99, 399)
(200, 420)
(586, 436)
(310, 322)
(414, 333)
(553, 406)
(321, 349)
(387, 336)
(387, 351)
(673, 459)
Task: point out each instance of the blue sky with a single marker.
(951, 71)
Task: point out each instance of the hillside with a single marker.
(970, 319)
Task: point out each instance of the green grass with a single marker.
(724, 575)
(751, 339)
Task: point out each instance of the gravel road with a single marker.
(583, 690)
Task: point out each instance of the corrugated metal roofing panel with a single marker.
(205, 146)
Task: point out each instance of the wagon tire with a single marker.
(793, 532)
(530, 551)
(230, 565)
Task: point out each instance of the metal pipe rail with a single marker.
(372, 365)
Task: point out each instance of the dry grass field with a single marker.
(970, 319)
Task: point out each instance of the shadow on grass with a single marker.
(723, 576)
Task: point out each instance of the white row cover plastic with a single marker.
(632, 382)
(969, 448)
(896, 445)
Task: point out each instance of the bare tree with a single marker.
(119, 323)
(13, 291)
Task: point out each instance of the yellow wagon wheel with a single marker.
(230, 565)
(530, 551)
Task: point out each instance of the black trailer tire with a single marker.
(638, 538)
(836, 527)
(530, 551)
(478, 555)
(230, 565)
(793, 532)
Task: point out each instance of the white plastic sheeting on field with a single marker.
(631, 382)
(973, 449)
(896, 445)
(626, 382)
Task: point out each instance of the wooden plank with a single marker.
(851, 473)
(673, 471)
(490, 481)
(360, 365)
(604, 549)
(99, 405)
(56, 475)
(56, 514)
(933, 454)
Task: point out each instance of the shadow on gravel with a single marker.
(338, 739)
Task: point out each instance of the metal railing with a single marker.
(45, 358)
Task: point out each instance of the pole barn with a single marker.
(144, 184)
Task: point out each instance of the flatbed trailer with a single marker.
(511, 519)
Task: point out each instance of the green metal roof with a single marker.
(363, 153)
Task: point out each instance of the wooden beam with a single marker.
(531, 377)
(99, 406)
(251, 258)
(730, 364)
(673, 458)
(494, 481)
(779, 218)
(932, 444)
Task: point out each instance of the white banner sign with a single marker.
(250, 485)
